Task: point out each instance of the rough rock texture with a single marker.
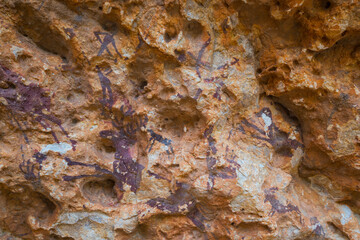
(187, 119)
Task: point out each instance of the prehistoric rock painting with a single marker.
(224, 173)
(210, 139)
(277, 206)
(318, 229)
(181, 201)
(264, 129)
(108, 100)
(125, 169)
(199, 62)
(28, 100)
(221, 75)
(227, 172)
(30, 169)
(158, 138)
(198, 93)
(105, 41)
(124, 172)
(192, 119)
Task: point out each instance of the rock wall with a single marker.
(188, 119)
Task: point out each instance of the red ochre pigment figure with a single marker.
(29, 100)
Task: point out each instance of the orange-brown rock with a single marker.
(180, 119)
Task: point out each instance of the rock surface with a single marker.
(189, 119)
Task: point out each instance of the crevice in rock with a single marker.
(346, 47)
(325, 5)
(141, 72)
(170, 33)
(245, 227)
(288, 115)
(57, 237)
(22, 203)
(338, 231)
(39, 30)
(354, 202)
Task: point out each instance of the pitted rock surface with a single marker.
(180, 119)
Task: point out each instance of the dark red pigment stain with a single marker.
(319, 230)
(108, 99)
(227, 65)
(278, 139)
(220, 86)
(211, 140)
(201, 53)
(141, 43)
(179, 95)
(198, 93)
(41, 4)
(224, 173)
(105, 42)
(179, 202)
(224, 66)
(217, 93)
(198, 60)
(30, 100)
(123, 137)
(30, 169)
(125, 169)
(277, 206)
(157, 176)
(124, 172)
(199, 63)
(228, 172)
(69, 32)
(158, 138)
(236, 128)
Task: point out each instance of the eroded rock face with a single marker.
(179, 119)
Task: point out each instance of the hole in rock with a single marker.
(57, 237)
(143, 84)
(323, 4)
(109, 26)
(109, 149)
(273, 69)
(325, 39)
(47, 207)
(326, 4)
(75, 121)
(180, 55)
(20, 205)
(194, 28)
(296, 62)
(170, 33)
(101, 192)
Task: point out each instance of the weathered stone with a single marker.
(179, 119)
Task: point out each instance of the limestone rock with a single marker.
(179, 119)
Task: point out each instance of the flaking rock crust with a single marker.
(179, 119)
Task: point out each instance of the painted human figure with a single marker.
(108, 39)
